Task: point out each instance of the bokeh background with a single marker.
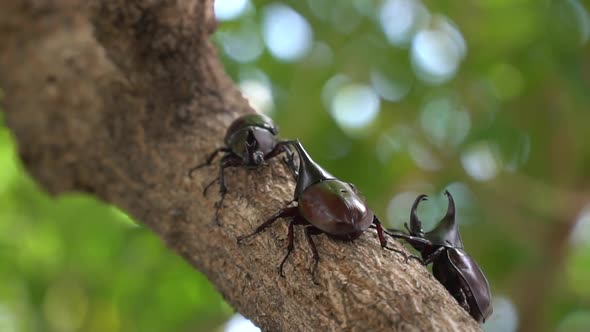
(488, 99)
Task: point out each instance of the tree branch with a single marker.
(120, 98)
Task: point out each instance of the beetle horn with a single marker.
(447, 232)
(415, 223)
(309, 171)
(451, 207)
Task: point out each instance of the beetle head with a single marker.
(446, 233)
(252, 144)
(255, 156)
(309, 171)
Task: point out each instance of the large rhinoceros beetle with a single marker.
(249, 141)
(324, 205)
(451, 265)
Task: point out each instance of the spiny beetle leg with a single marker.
(289, 202)
(282, 146)
(297, 220)
(462, 299)
(383, 241)
(290, 248)
(309, 231)
(434, 255)
(283, 213)
(413, 240)
(406, 256)
(226, 161)
(279, 148)
(379, 228)
(208, 161)
(288, 161)
(209, 186)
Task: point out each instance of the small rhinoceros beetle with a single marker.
(324, 205)
(249, 141)
(452, 266)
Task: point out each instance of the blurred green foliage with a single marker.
(489, 99)
(76, 264)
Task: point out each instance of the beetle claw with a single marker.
(289, 202)
(406, 256)
(313, 272)
(217, 208)
(241, 238)
(281, 272)
(192, 170)
(420, 260)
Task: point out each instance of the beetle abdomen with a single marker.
(474, 282)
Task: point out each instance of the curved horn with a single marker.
(451, 207)
(415, 223)
(446, 233)
(309, 171)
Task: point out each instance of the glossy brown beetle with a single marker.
(249, 141)
(452, 266)
(324, 205)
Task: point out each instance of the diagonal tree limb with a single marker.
(120, 98)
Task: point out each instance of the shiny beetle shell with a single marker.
(452, 266)
(473, 279)
(251, 120)
(335, 208)
(252, 137)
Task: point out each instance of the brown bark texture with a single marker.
(119, 98)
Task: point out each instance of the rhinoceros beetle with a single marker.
(249, 141)
(452, 266)
(324, 205)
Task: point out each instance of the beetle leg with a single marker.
(383, 241)
(309, 231)
(434, 255)
(379, 228)
(297, 220)
(462, 299)
(413, 240)
(208, 161)
(289, 161)
(283, 213)
(282, 146)
(290, 248)
(226, 161)
(289, 202)
(209, 186)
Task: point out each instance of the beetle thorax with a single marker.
(335, 208)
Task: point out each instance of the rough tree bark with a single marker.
(120, 98)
